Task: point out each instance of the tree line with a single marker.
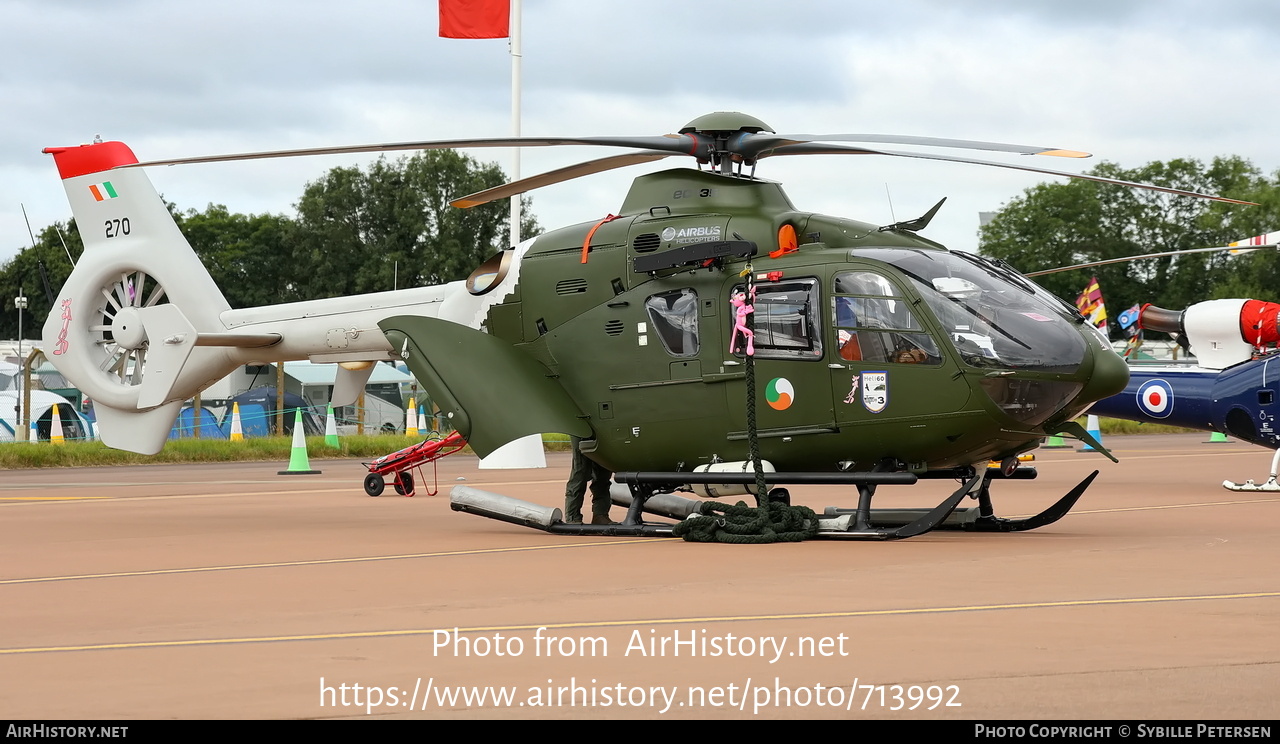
(354, 231)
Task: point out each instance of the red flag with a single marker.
(475, 19)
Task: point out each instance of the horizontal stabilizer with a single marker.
(172, 337)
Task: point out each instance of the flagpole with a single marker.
(515, 115)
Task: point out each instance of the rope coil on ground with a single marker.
(774, 522)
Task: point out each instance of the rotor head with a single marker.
(726, 122)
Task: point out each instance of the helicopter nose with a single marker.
(1109, 377)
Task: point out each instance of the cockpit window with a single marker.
(880, 328)
(865, 283)
(675, 319)
(992, 315)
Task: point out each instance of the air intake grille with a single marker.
(613, 327)
(646, 243)
(571, 286)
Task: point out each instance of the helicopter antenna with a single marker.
(64, 244)
(28, 221)
(33, 236)
(892, 215)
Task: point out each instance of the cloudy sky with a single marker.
(1129, 80)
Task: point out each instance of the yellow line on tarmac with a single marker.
(123, 484)
(353, 489)
(1173, 506)
(1242, 447)
(322, 561)
(50, 498)
(282, 492)
(509, 483)
(642, 622)
(1190, 454)
(1125, 457)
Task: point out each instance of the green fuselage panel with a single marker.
(492, 392)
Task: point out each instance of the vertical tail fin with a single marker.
(125, 323)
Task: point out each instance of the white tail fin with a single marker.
(140, 325)
(125, 324)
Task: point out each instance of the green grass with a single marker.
(86, 454)
(94, 454)
(83, 454)
(1124, 426)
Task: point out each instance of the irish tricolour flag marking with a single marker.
(103, 191)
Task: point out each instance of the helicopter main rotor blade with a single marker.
(820, 149)
(1231, 248)
(556, 176)
(762, 142)
(696, 144)
(675, 144)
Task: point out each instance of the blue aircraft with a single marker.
(1234, 387)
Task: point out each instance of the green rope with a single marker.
(767, 522)
(742, 524)
(753, 443)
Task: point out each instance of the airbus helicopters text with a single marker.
(882, 355)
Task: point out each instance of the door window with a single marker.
(674, 316)
(786, 320)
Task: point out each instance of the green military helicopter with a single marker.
(712, 334)
(882, 356)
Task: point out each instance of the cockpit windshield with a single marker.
(992, 315)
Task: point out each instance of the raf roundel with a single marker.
(1155, 398)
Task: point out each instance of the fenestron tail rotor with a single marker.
(120, 332)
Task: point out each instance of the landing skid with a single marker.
(1249, 485)
(992, 523)
(981, 518)
(928, 520)
(652, 493)
(644, 487)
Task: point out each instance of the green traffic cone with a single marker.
(330, 428)
(1055, 442)
(299, 464)
(1216, 437)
